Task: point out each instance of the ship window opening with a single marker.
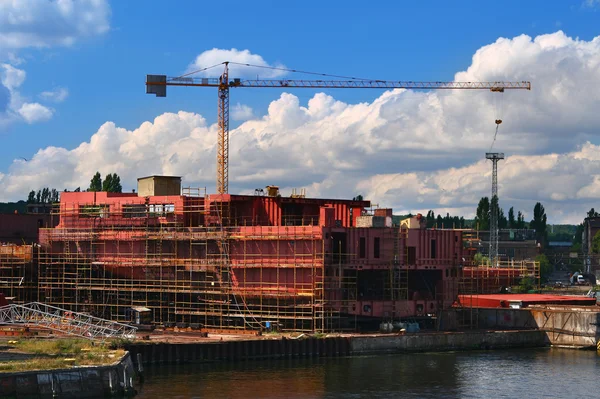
(161, 209)
(363, 247)
(376, 248)
(93, 211)
(433, 249)
(412, 255)
(134, 210)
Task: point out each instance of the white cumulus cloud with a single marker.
(217, 56)
(12, 77)
(35, 112)
(241, 112)
(47, 23)
(410, 150)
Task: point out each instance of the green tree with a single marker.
(596, 243)
(520, 220)
(107, 183)
(512, 223)
(45, 195)
(54, 195)
(117, 188)
(430, 219)
(447, 221)
(96, 183)
(539, 222)
(482, 215)
(502, 221)
(112, 184)
(578, 237)
(31, 197)
(545, 267)
(359, 197)
(592, 213)
(439, 222)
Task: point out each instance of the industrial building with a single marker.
(513, 244)
(168, 256)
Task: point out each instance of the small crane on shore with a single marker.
(157, 84)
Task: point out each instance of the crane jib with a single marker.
(342, 84)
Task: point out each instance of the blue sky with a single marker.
(104, 70)
(425, 41)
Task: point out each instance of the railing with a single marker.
(64, 321)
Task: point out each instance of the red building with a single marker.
(236, 261)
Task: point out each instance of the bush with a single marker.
(525, 285)
(480, 259)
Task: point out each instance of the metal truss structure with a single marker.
(64, 321)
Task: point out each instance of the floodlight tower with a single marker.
(494, 157)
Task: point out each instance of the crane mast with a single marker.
(157, 84)
(223, 133)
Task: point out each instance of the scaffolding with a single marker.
(18, 277)
(489, 279)
(224, 263)
(200, 268)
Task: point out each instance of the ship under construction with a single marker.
(181, 257)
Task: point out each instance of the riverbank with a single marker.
(29, 354)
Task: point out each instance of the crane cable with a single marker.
(277, 69)
(499, 110)
(198, 70)
(304, 72)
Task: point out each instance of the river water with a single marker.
(529, 373)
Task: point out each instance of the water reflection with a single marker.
(538, 373)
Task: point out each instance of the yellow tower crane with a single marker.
(157, 84)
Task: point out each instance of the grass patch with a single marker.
(60, 353)
(56, 346)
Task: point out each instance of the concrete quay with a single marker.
(250, 348)
(115, 380)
